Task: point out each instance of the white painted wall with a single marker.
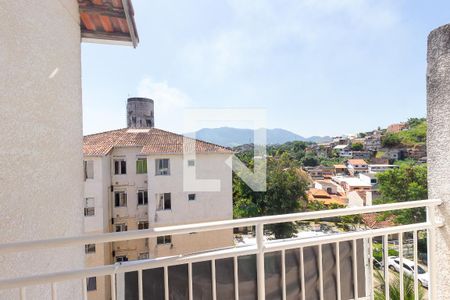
(41, 133)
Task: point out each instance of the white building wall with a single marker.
(208, 206)
(41, 138)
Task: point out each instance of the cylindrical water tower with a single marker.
(140, 113)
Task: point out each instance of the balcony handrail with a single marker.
(270, 246)
(208, 226)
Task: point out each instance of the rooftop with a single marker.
(357, 162)
(152, 141)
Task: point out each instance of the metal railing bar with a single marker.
(140, 286)
(283, 273)
(236, 277)
(416, 283)
(215, 254)
(386, 268)
(320, 273)
(213, 279)
(54, 291)
(208, 226)
(355, 270)
(338, 272)
(302, 273)
(166, 283)
(320, 240)
(400, 254)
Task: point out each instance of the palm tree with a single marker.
(394, 287)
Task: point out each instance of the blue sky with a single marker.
(319, 67)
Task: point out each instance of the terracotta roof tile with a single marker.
(152, 141)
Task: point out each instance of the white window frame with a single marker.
(89, 248)
(144, 198)
(89, 207)
(143, 225)
(164, 240)
(161, 201)
(123, 199)
(119, 171)
(122, 226)
(162, 170)
(88, 169)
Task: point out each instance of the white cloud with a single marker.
(258, 29)
(170, 103)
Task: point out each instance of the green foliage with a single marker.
(357, 147)
(394, 287)
(310, 160)
(390, 140)
(416, 134)
(406, 183)
(286, 193)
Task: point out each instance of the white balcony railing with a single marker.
(260, 250)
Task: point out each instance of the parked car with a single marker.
(408, 269)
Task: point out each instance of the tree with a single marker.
(406, 183)
(390, 140)
(310, 161)
(394, 288)
(286, 193)
(357, 147)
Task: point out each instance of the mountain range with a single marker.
(231, 137)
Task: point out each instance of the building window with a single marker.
(142, 225)
(164, 202)
(120, 199)
(91, 283)
(121, 258)
(191, 197)
(89, 248)
(88, 169)
(163, 240)
(142, 197)
(89, 207)
(141, 166)
(121, 227)
(143, 255)
(120, 167)
(191, 163)
(162, 166)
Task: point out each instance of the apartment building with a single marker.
(138, 178)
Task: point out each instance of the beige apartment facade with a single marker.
(135, 180)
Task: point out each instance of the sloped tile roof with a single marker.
(152, 141)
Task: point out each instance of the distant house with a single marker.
(393, 154)
(393, 128)
(350, 184)
(344, 150)
(340, 169)
(320, 172)
(327, 185)
(356, 166)
(380, 168)
(372, 142)
(361, 154)
(317, 195)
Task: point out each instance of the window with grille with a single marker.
(164, 201)
(191, 163)
(191, 197)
